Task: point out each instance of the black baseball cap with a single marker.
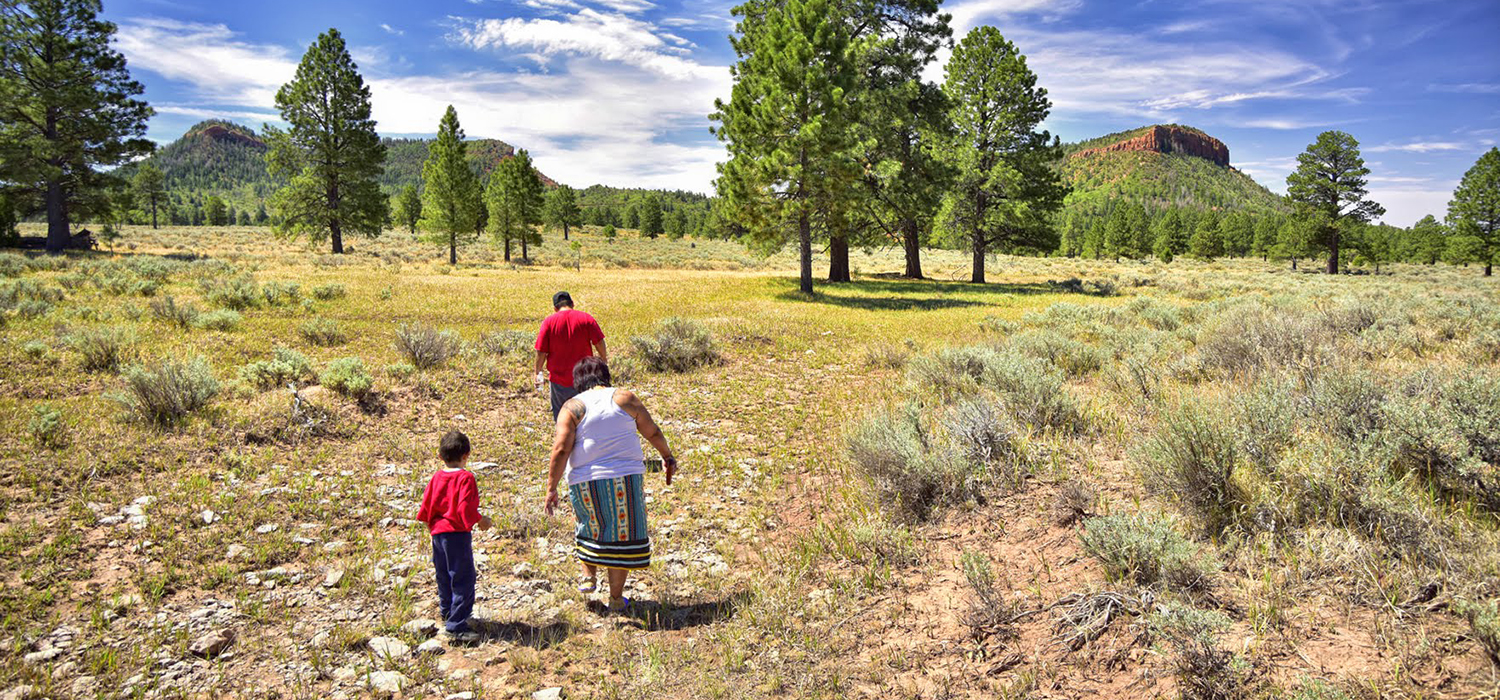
(561, 298)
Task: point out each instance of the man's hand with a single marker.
(485, 523)
(551, 504)
(671, 464)
(541, 382)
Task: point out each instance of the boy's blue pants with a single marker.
(453, 559)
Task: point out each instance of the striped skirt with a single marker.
(611, 517)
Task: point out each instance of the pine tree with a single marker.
(1207, 242)
(1426, 241)
(787, 125)
(561, 209)
(67, 108)
(651, 216)
(1005, 186)
(1266, 227)
(1093, 240)
(450, 190)
(1118, 238)
(1330, 180)
(1295, 238)
(150, 188)
(329, 152)
(899, 114)
(409, 208)
(1474, 211)
(214, 211)
(514, 200)
(1168, 234)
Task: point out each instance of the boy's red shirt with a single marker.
(450, 503)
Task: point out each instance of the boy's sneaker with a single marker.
(467, 636)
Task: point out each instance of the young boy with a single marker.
(450, 507)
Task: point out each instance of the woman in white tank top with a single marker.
(598, 447)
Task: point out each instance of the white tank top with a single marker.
(606, 445)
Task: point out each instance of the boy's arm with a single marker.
(471, 505)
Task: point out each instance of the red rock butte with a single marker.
(1170, 139)
(218, 132)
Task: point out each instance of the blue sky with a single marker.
(617, 91)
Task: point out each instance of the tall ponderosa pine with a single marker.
(67, 106)
(450, 189)
(1425, 242)
(561, 210)
(514, 199)
(1330, 180)
(652, 222)
(330, 150)
(150, 188)
(409, 208)
(787, 125)
(899, 115)
(1005, 187)
(1474, 211)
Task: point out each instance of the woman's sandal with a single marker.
(588, 584)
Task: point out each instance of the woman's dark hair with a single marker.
(454, 447)
(590, 372)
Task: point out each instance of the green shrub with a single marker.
(1205, 670)
(102, 349)
(913, 468)
(1191, 458)
(47, 427)
(347, 376)
(989, 438)
(322, 331)
(167, 310)
(278, 293)
(235, 293)
(11, 265)
(1265, 421)
(166, 392)
(1074, 358)
(426, 347)
(1447, 430)
(950, 371)
(1484, 620)
(1147, 550)
(890, 355)
(400, 370)
(1032, 388)
(35, 349)
(677, 345)
(219, 320)
(506, 342)
(989, 612)
(1251, 337)
(325, 292)
(286, 366)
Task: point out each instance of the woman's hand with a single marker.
(485, 523)
(671, 465)
(551, 504)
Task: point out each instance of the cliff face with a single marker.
(1167, 139)
(216, 132)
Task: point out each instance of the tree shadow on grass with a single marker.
(909, 295)
(654, 616)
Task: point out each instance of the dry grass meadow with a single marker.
(1086, 479)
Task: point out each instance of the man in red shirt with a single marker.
(566, 337)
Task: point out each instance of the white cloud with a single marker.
(1404, 206)
(611, 37)
(206, 113)
(208, 57)
(1473, 88)
(1416, 147)
(391, 30)
(968, 14)
(606, 115)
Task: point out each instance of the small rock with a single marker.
(235, 551)
(431, 646)
(320, 639)
(387, 681)
(420, 628)
(209, 517)
(332, 578)
(42, 656)
(344, 673)
(212, 644)
(548, 694)
(85, 686)
(523, 570)
(389, 647)
(465, 695)
(267, 529)
(20, 692)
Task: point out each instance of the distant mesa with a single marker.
(1169, 139)
(218, 131)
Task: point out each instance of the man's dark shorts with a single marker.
(560, 396)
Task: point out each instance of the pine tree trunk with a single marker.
(153, 214)
(912, 242)
(838, 259)
(524, 254)
(1489, 269)
(1333, 257)
(979, 245)
(507, 250)
(804, 245)
(452, 247)
(57, 219)
(338, 237)
(565, 231)
(1294, 263)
